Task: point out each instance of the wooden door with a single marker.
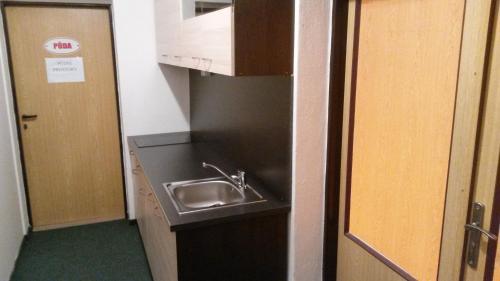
(70, 133)
(414, 79)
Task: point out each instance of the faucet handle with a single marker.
(242, 178)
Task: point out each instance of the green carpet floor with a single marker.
(110, 251)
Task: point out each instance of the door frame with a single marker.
(492, 244)
(56, 3)
(491, 248)
(334, 135)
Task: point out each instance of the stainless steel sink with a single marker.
(207, 194)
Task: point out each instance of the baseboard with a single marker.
(77, 223)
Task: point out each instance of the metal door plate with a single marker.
(474, 239)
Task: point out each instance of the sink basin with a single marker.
(206, 194)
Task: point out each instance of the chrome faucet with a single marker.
(238, 180)
(241, 178)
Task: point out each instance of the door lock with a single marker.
(475, 231)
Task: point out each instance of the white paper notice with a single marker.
(65, 70)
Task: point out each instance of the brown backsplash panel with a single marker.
(248, 120)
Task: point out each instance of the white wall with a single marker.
(11, 225)
(153, 99)
(310, 119)
(13, 218)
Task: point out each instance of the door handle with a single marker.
(475, 231)
(473, 227)
(28, 117)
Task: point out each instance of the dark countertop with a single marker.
(176, 159)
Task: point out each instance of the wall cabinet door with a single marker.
(250, 37)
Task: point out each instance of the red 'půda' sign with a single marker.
(62, 45)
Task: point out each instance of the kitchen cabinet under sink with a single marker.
(159, 242)
(246, 249)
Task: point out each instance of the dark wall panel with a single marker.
(248, 120)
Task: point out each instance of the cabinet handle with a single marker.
(136, 171)
(156, 212)
(198, 61)
(150, 197)
(208, 63)
(132, 153)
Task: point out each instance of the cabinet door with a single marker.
(139, 193)
(159, 243)
(167, 19)
(208, 40)
(204, 42)
(140, 197)
(150, 243)
(165, 246)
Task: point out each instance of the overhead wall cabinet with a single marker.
(236, 38)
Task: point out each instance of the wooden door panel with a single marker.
(414, 83)
(72, 150)
(404, 78)
(413, 69)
